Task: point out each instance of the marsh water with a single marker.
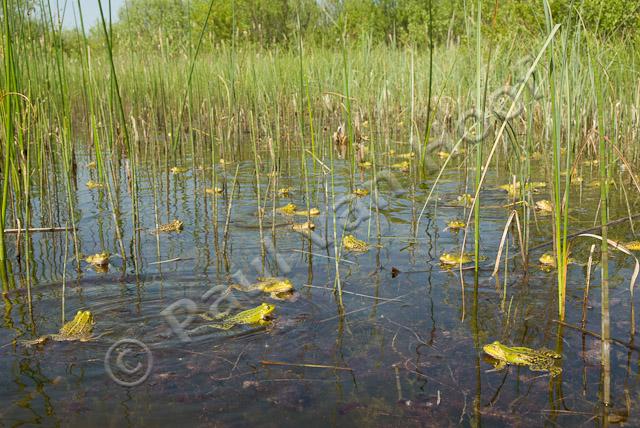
(405, 350)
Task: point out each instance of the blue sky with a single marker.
(90, 10)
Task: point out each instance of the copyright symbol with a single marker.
(471, 134)
(128, 362)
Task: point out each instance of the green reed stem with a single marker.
(480, 123)
(556, 139)
(603, 160)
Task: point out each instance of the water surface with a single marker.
(405, 350)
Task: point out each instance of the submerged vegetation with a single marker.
(277, 121)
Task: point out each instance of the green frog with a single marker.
(632, 245)
(91, 185)
(259, 315)
(409, 155)
(307, 213)
(214, 190)
(542, 360)
(178, 170)
(80, 328)
(512, 188)
(174, 226)
(99, 259)
(284, 191)
(547, 261)
(455, 225)
(453, 259)
(464, 200)
(305, 227)
(403, 166)
(544, 206)
(288, 209)
(351, 243)
(277, 288)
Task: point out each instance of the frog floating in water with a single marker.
(307, 213)
(351, 243)
(178, 170)
(80, 328)
(547, 261)
(632, 245)
(91, 185)
(455, 225)
(512, 188)
(303, 227)
(288, 209)
(360, 193)
(544, 206)
(464, 200)
(91, 165)
(98, 259)
(402, 166)
(277, 288)
(258, 315)
(175, 226)
(542, 360)
(454, 259)
(596, 183)
(365, 164)
(284, 191)
(409, 155)
(213, 190)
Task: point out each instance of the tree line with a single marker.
(175, 25)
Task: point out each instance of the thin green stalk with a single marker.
(480, 123)
(603, 160)
(556, 137)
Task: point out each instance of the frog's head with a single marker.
(495, 349)
(279, 286)
(99, 259)
(547, 259)
(83, 318)
(266, 309)
(83, 321)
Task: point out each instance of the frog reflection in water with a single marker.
(80, 328)
(259, 315)
(542, 360)
(277, 288)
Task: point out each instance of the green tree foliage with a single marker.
(163, 24)
(174, 25)
(610, 17)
